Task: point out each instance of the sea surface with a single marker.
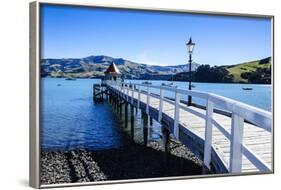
(71, 120)
(259, 96)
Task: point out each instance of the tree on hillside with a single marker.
(206, 73)
(260, 76)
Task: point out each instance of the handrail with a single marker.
(239, 111)
(250, 113)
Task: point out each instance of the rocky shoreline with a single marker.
(134, 161)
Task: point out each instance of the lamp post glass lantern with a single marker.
(190, 47)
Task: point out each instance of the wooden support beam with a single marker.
(126, 115)
(132, 122)
(147, 99)
(165, 142)
(102, 92)
(116, 103)
(120, 108)
(94, 93)
(145, 128)
(109, 98)
(149, 126)
(107, 93)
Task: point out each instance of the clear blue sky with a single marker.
(152, 37)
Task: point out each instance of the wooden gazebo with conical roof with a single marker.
(112, 72)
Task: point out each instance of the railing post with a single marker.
(132, 99)
(117, 88)
(147, 100)
(176, 114)
(121, 90)
(127, 93)
(237, 125)
(208, 133)
(124, 91)
(138, 97)
(160, 105)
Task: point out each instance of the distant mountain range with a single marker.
(258, 71)
(94, 67)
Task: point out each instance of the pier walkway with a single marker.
(238, 142)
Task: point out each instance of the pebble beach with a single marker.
(135, 161)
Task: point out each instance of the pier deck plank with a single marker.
(258, 140)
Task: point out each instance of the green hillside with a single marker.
(254, 72)
(248, 67)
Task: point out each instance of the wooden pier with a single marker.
(240, 141)
(100, 91)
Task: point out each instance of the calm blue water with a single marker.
(259, 97)
(70, 119)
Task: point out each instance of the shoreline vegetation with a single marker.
(134, 161)
(254, 72)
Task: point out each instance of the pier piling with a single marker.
(120, 108)
(132, 122)
(113, 101)
(117, 104)
(142, 114)
(145, 128)
(126, 115)
(165, 142)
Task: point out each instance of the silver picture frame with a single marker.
(34, 97)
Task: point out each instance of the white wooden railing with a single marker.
(238, 110)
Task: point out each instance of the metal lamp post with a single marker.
(190, 46)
